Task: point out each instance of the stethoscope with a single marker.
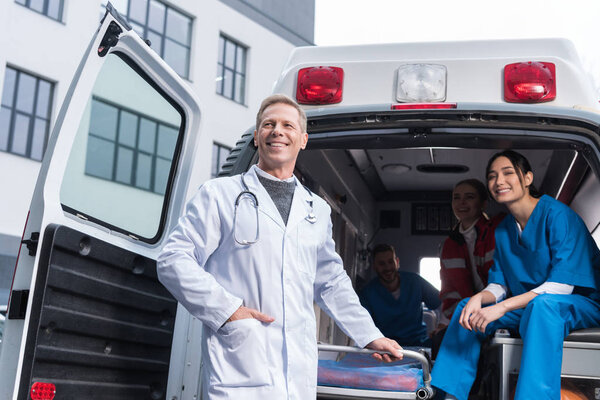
(311, 217)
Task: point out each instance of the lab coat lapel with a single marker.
(265, 203)
(301, 205)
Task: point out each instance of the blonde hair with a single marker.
(280, 99)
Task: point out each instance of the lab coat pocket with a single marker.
(238, 354)
(307, 244)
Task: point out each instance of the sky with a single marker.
(340, 22)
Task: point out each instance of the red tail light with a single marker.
(43, 391)
(422, 106)
(529, 82)
(320, 85)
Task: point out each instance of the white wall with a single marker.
(39, 45)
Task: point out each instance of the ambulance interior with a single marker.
(395, 186)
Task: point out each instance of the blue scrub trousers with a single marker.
(543, 325)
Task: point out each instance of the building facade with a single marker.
(229, 51)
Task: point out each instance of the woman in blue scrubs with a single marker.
(544, 283)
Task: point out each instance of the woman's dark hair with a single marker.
(520, 164)
(476, 184)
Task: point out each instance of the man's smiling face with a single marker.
(386, 265)
(279, 138)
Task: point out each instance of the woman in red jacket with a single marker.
(467, 254)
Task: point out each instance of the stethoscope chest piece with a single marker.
(311, 217)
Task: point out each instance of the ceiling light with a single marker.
(395, 169)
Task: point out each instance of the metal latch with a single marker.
(32, 243)
(18, 304)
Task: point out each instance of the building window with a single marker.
(168, 30)
(25, 114)
(219, 156)
(50, 8)
(231, 72)
(127, 147)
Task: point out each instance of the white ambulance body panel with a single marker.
(474, 69)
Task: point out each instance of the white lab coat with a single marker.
(280, 275)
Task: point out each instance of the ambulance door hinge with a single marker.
(32, 243)
(18, 304)
(110, 39)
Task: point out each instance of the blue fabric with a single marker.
(555, 246)
(543, 325)
(362, 371)
(401, 319)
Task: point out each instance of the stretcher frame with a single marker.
(339, 393)
(580, 358)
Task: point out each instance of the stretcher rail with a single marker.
(422, 393)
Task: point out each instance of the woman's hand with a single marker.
(472, 306)
(481, 318)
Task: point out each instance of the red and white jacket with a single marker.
(455, 271)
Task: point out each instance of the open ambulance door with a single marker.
(87, 317)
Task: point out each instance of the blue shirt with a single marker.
(555, 246)
(401, 319)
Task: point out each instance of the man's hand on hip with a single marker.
(245, 313)
(386, 345)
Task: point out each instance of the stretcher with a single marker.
(413, 380)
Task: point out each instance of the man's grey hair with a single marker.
(280, 99)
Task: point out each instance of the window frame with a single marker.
(222, 68)
(216, 164)
(33, 115)
(61, 8)
(164, 36)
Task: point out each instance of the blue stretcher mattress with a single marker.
(362, 371)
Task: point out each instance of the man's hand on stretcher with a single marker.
(386, 345)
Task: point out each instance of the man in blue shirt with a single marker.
(395, 299)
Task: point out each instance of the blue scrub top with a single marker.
(401, 319)
(555, 246)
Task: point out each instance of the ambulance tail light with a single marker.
(43, 391)
(529, 82)
(320, 85)
(423, 106)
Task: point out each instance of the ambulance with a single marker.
(391, 129)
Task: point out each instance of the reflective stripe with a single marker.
(454, 263)
(489, 256)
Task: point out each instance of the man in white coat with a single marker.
(255, 298)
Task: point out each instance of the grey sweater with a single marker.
(282, 194)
